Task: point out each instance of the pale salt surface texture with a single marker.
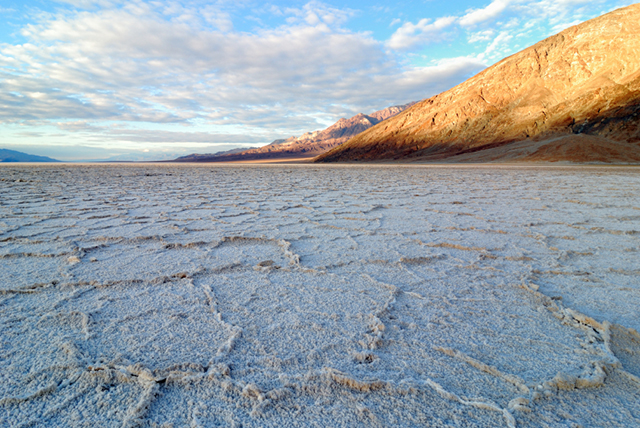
(335, 296)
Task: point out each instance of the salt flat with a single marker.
(319, 296)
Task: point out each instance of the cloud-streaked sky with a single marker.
(85, 79)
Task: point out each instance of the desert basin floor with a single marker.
(283, 295)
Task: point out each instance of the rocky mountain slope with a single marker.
(307, 145)
(572, 97)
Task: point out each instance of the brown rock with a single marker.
(574, 97)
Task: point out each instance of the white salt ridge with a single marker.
(316, 296)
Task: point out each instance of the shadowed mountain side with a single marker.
(7, 155)
(307, 145)
(584, 81)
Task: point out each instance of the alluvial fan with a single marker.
(319, 296)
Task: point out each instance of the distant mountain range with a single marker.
(572, 97)
(197, 157)
(307, 145)
(15, 156)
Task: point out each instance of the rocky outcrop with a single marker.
(307, 145)
(572, 97)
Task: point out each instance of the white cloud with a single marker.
(476, 16)
(443, 75)
(147, 136)
(77, 126)
(425, 31)
(481, 36)
(140, 64)
(557, 14)
(498, 48)
(315, 13)
(88, 4)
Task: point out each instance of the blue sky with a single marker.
(95, 79)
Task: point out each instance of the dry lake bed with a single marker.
(281, 296)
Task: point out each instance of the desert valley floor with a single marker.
(280, 296)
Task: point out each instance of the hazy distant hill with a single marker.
(15, 156)
(197, 157)
(307, 145)
(572, 97)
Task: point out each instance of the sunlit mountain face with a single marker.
(574, 96)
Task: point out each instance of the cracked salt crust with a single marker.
(319, 295)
